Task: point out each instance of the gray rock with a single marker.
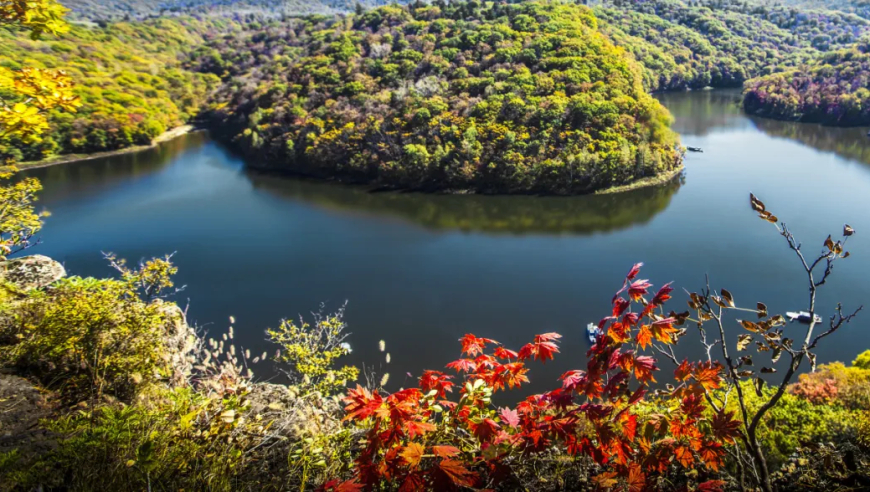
(31, 272)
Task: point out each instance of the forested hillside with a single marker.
(833, 89)
(135, 9)
(129, 77)
(493, 98)
(723, 43)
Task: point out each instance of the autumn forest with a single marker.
(487, 177)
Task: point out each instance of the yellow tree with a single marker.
(30, 93)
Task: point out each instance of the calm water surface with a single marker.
(419, 271)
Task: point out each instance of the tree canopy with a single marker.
(514, 98)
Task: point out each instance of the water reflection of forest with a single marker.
(493, 214)
(77, 177)
(700, 113)
(851, 143)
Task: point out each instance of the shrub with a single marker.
(836, 384)
(863, 360)
(179, 440)
(88, 337)
(311, 351)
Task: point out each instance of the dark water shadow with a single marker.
(475, 213)
(851, 143)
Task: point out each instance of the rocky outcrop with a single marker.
(22, 405)
(31, 272)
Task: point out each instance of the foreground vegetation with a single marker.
(140, 400)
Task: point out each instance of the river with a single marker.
(419, 271)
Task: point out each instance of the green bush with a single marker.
(795, 421)
(87, 338)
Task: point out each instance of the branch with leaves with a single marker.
(766, 335)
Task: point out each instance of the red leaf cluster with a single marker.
(420, 440)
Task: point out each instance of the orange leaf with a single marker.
(684, 455)
(644, 336)
(636, 478)
(605, 480)
(445, 451)
(708, 375)
(413, 454)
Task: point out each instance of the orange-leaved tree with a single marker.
(419, 438)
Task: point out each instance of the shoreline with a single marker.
(70, 158)
(186, 129)
(643, 182)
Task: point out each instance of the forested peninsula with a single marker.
(527, 97)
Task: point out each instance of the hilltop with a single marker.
(496, 98)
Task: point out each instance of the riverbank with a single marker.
(657, 180)
(69, 158)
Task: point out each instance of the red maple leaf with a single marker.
(509, 417)
(473, 345)
(619, 306)
(503, 353)
(629, 427)
(463, 365)
(540, 350)
(573, 379)
(360, 403)
(436, 380)
(711, 486)
(638, 289)
(633, 272)
(515, 374)
(663, 295)
(683, 372)
(414, 428)
(456, 473)
(547, 337)
(725, 426)
(644, 367)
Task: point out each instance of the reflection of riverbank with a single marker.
(851, 143)
(499, 214)
(75, 177)
(702, 112)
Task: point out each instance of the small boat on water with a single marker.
(592, 332)
(694, 149)
(802, 316)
